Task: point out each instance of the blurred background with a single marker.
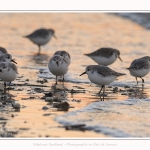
(80, 33)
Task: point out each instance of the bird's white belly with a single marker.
(8, 76)
(103, 60)
(139, 72)
(58, 70)
(41, 41)
(101, 80)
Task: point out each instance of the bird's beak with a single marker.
(0, 70)
(55, 36)
(65, 60)
(120, 58)
(57, 63)
(83, 73)
(13, 61)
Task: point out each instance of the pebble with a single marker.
(126, 86)
(124, 94)
(50, 94)
(45, 108)
(16, 106)
(12, 115)
(115, 89)
(46, 114)
(50, 99)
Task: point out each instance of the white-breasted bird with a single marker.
(105, 56)
(140, 67)
(41, 37)
(58, 66)
(101, 75)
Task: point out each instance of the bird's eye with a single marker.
(4, 67)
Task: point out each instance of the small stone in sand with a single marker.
(16, 106)
(45, 108)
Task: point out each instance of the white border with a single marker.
(107, 5)
(77, 6)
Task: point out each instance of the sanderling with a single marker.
(2, 51)
(6, 58)
(140, 67)
(8, 72)
(65, 55)
(41, 37)
(58, 66)
(101, 75)
(105, 56)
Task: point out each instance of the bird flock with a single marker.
(58, 64)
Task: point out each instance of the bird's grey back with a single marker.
(105, 52)
(13, 66)
(62, 53)
(141, 63)
(3, 50)
(39, 33)
(105, 71)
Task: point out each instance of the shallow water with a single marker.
(122, 114)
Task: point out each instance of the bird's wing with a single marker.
(105, 52)
(139, 64)
(14, 67)
(39, 33)
(105, 71)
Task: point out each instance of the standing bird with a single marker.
(8, 72)
(140, 68)
(2, 51)
(101, 75)
(65, 55)
(41, 37)
(6, 58)
(58, 66)
(105, 56)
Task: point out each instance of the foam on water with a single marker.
(69, 77)
(127, 118)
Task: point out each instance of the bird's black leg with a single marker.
(103, 92)
(100, 91)
(4, 86)
(39, 49)
(136, 80)
(63, 79)
(56, 79)
(142, 80)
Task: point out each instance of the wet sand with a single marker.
(77, 33)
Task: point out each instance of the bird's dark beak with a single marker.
(57, 63)
(55, 36)
(0, 70)
(65, 60)
(83, 73)
(13, 61)
(120, 58)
